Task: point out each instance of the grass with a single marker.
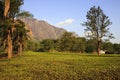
(60, 66)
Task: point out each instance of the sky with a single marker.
(69, 14)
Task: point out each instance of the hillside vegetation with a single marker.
(60, 66)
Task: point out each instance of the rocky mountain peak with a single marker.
(40, 29)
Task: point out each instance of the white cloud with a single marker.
(64, 23)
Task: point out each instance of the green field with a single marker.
(60, 66)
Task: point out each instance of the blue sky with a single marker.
(69, 14)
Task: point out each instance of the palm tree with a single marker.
(20, 35)
(11, 9)
(5, 27)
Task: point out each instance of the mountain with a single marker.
(40, 29)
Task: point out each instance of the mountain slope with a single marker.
(40, 30)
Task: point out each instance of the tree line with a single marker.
(70, 43)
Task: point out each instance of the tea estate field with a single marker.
(60, 66)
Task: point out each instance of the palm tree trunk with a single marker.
(20, 49)
(9, 41)
(9, 48)
(7, 6)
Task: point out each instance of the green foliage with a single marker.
(48, 45)
(111, 48)
(60, 66)
(70, 43)
(108, 46)
(14, 8)
(90, 49)
(78, 45)
(90, 46)
(33, 45)
(116, 48)
(66, 41)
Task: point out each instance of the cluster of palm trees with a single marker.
(12, 30)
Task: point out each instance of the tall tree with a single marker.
(97, 24)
